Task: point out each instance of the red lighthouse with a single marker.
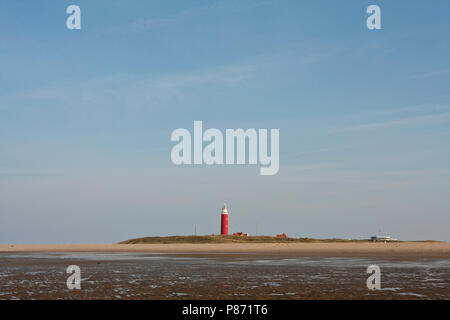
(224, 220)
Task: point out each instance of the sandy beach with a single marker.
(344, 249)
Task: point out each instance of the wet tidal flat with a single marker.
(214, 276)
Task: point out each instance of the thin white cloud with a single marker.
(430, 74)
(429, 119)
(148, 89)
(157, 90)
(143, 24)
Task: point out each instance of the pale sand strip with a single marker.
(400, 249)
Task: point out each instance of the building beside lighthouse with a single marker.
(224, 220)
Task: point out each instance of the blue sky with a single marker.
(86, 118)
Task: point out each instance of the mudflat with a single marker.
(220, 275)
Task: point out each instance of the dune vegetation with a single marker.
(227, 239)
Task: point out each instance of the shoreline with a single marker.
(327, 249)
